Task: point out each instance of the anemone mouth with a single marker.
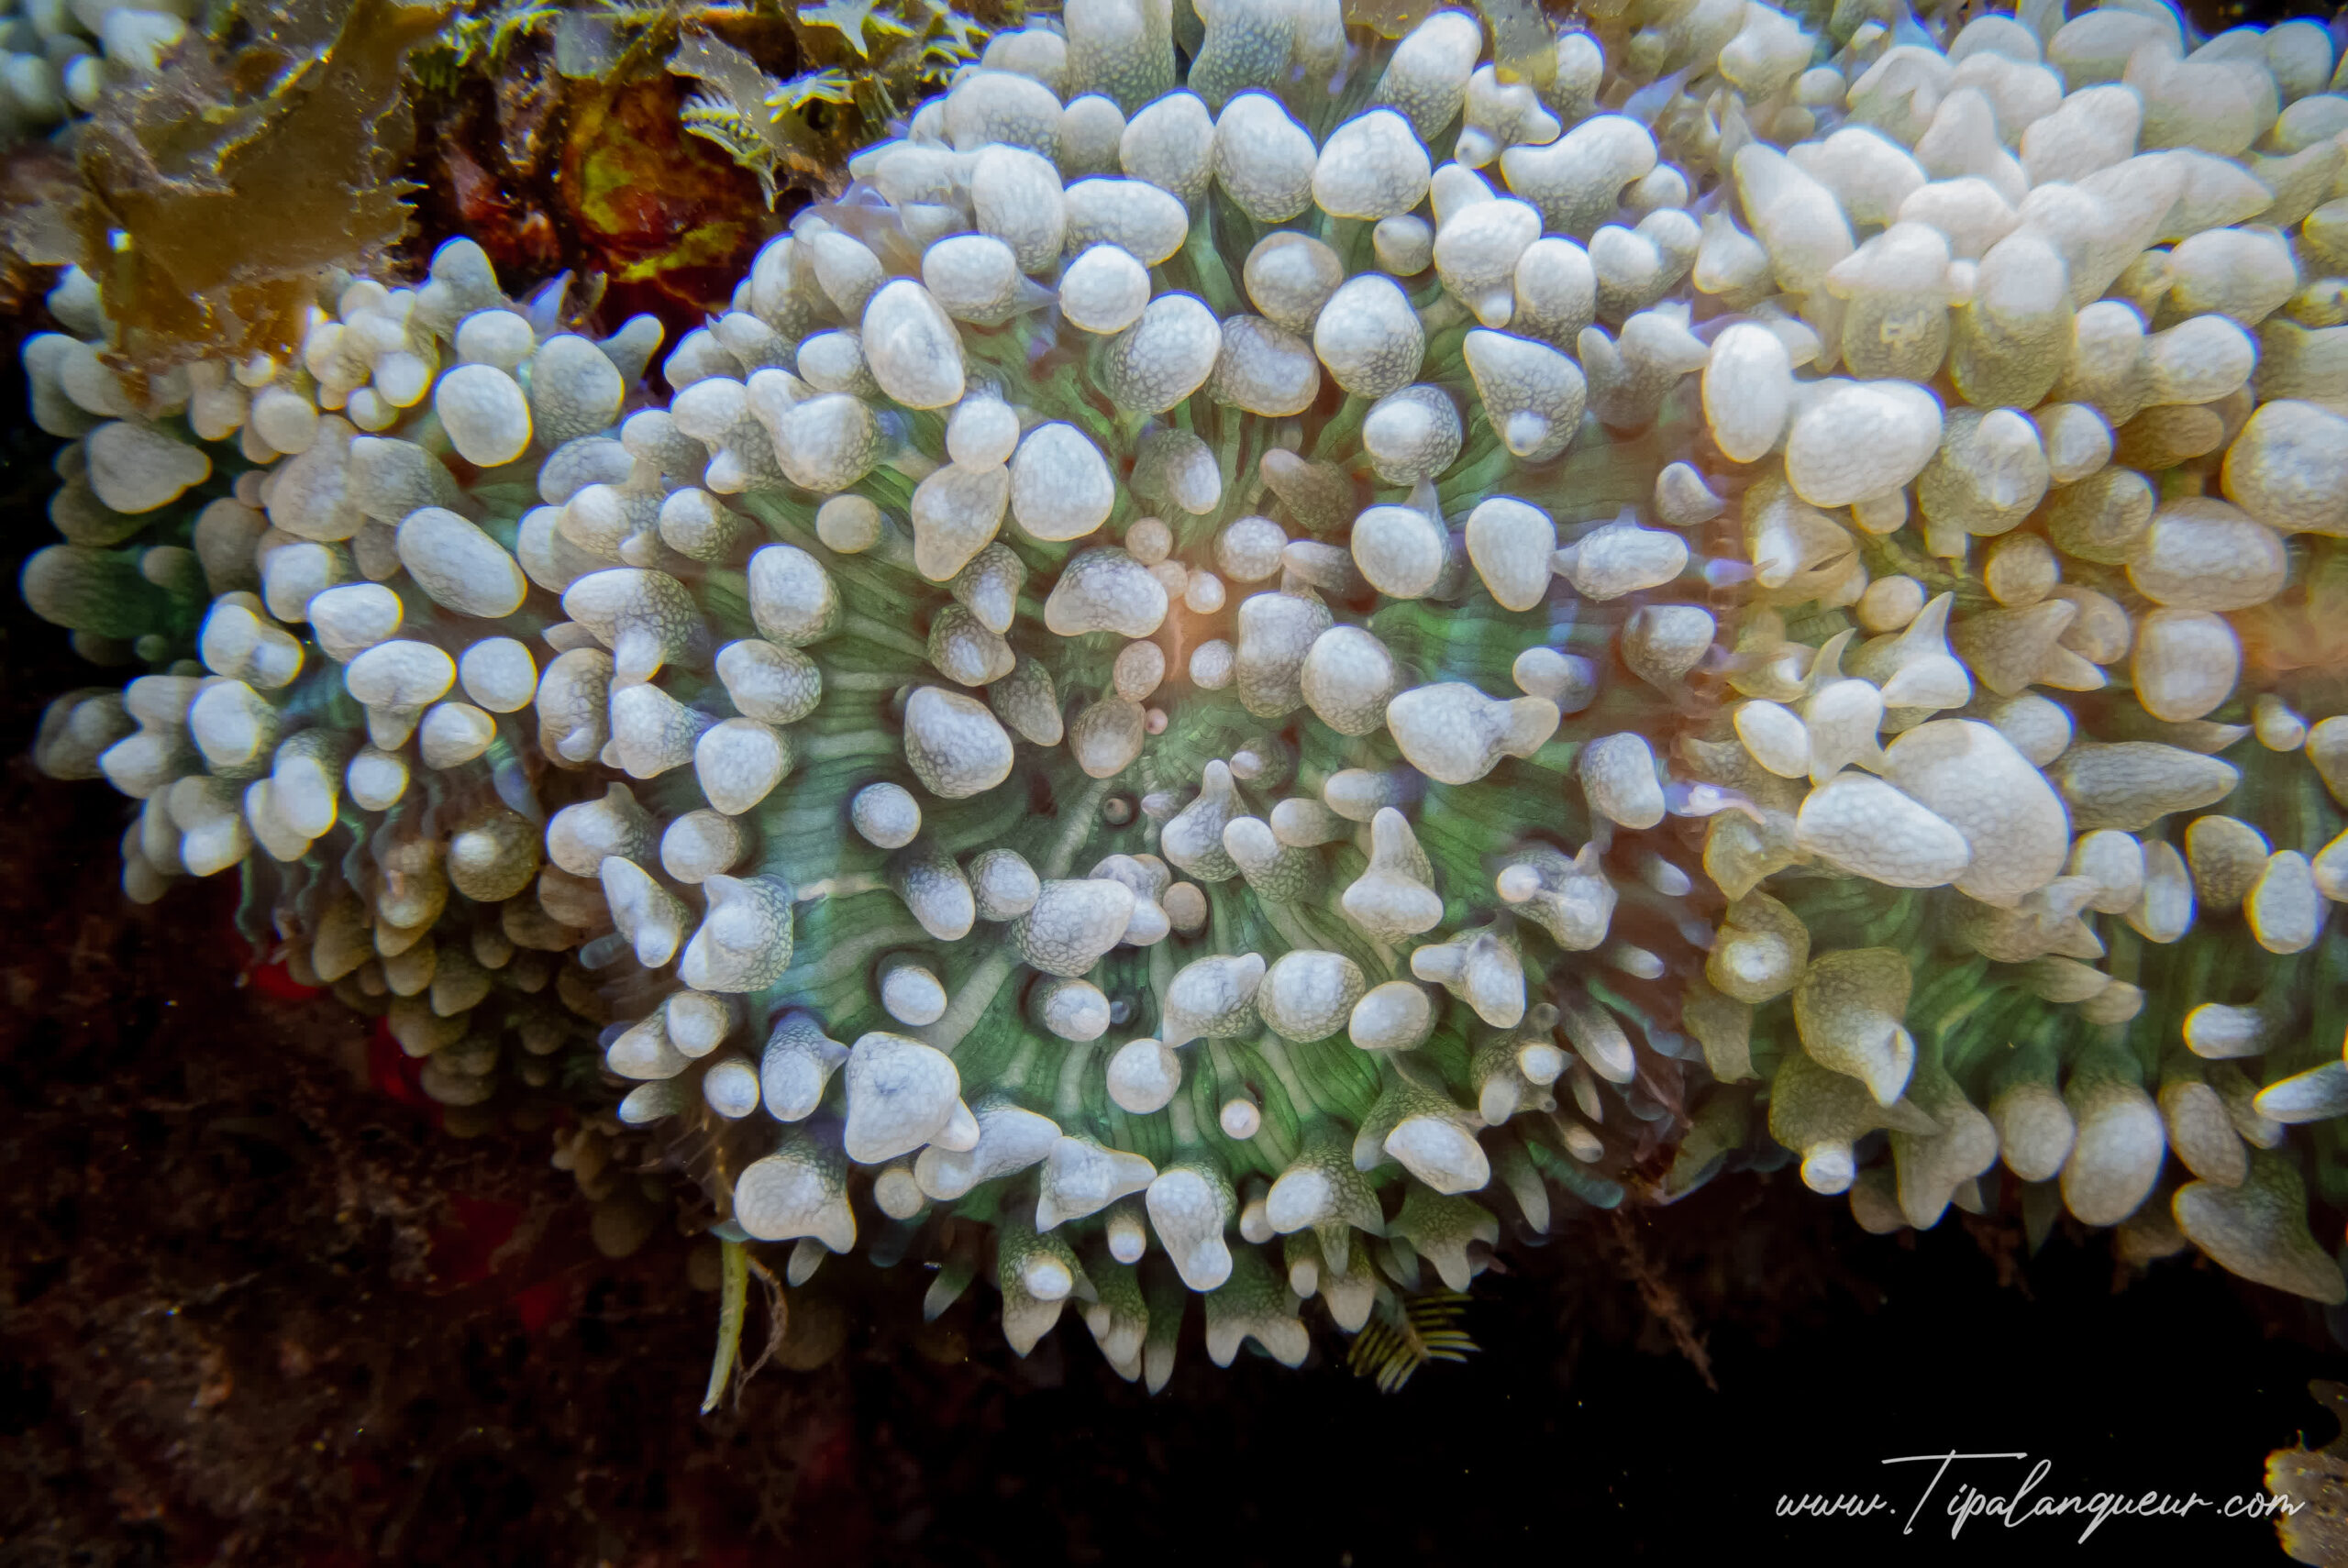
(1339, 654)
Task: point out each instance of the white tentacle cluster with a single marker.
(1295, 676)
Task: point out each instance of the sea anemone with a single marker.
(61, 56)
(1266, 653)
